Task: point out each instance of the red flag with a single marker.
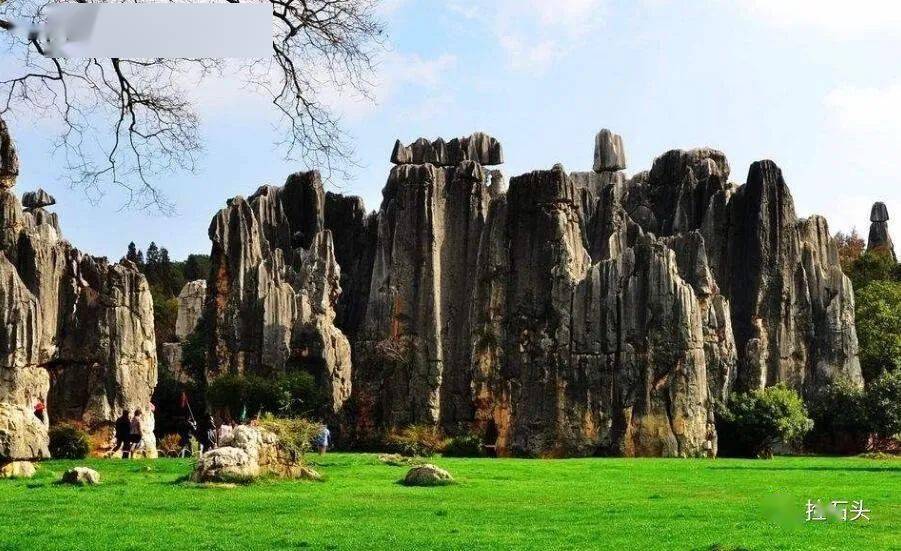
(184, 400)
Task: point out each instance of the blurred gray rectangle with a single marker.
(159, 30)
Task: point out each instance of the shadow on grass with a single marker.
(843, 468)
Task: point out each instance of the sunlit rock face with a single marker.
(78, 331)
(274, 286)
(562, 313)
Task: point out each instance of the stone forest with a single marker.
(555, 314)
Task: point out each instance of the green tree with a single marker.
(850, 247)
(134, 254)
(884, 404)
(753, 423)
(841, 420)
(197, 266)
(873, 266)
(879, 327)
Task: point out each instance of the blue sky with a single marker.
(817, 89)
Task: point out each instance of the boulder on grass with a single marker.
(226, 464)
(428, 475)
(307, 473)
(17, 469)
(81, 476)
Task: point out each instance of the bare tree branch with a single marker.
(126, 121)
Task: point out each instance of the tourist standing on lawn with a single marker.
(123, 434)
(136, 432)
(208, 435)
(323, 439)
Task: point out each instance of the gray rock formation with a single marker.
(609, 153)
(274, 287)
(478, 147)
(571, 314)
(37, 199)
(191, 302)
(9, 159)
(81, 476)
(879, 238)
(78, 333)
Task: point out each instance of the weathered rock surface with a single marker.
(879, 238)
(274, 288)
(77, 331)
(247, 453)
(9, 159)
(191, 302)
(428, 475)
(569, 314)
(17, 469)
(478, 147)
(22, 434)
(81, 476)
(609, 153)
(37, 199)
(225, 464)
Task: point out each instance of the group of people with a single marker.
(129, 433)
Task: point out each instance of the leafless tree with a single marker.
(127, 122)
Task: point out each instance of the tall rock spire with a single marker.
(879, 239)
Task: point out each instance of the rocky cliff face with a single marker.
(274, 287)
(568, 314)
(78, 331)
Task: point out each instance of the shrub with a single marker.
(69, 442)
(841, 421)
(873, 266)
(883, 402)
(294, 434)
(170, 445)
(416, 441)
(262, 395)
(753, 423)
(300, 393)
(227, 392)
(878, 317)
(466, 445)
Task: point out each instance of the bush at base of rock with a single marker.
(416, 441)
(81, 476)
(756, 423)
(428, 475)
(69, 442)
(17, 469)
(466, 445)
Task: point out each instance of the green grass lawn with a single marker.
(497, 503)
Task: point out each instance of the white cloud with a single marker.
(867, 110)
(864, 137)
(535, 33)
(839, 17)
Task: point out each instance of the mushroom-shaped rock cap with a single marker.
(879, 213)
(609, 153)
(36, 199)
